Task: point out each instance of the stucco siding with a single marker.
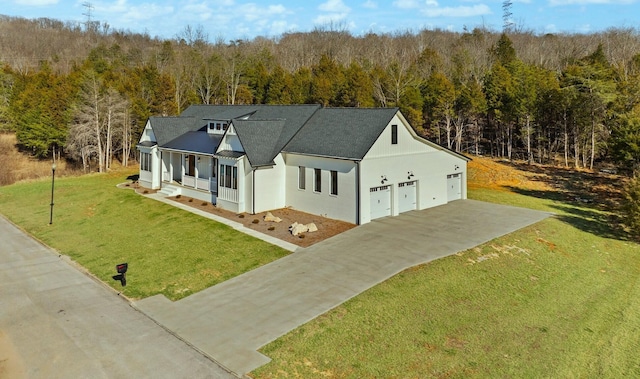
(341, 206)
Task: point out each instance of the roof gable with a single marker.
(346, 133)
(259, 138)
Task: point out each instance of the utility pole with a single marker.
(88, 12)
(507, 22)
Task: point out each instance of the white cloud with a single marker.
(461, 11)
(406, 4)
(36, 3)
(369, 4)
(555, 3)
(334, 6)
(432, 3)
(331, 18)
(253, 12)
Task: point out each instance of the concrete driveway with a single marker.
(64, 324)
(230, 321)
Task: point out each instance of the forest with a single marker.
(83, 92)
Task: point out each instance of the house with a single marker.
(350, 164)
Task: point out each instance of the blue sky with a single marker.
(234, 19)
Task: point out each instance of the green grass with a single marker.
(558, 299)
(169, 251)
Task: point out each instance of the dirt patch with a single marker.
(11, 365)
(326, 227)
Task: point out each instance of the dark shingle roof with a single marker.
(197, 142)
(345, 133)
(168, 128)
(260, 139)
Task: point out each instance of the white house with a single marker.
(351, 164)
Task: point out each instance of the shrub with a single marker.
(272, 228)
(631, 204)
(255, 221)
(191, 200)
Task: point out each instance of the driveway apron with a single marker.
(233, 319)
(64, 324)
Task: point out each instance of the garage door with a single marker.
(380, 201)
(454, 187)
(406, 196)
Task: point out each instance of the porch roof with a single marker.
(195, 142)
(230, 154)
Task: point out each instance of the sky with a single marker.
(246, 19)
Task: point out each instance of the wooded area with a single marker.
(84, 92)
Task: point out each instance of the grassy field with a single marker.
(558, 299)
(169, 251)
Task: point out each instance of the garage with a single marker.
(380, 201)
(454, 187)
(407, 196)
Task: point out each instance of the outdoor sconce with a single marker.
(122, 273)
(456, 167)
(384, 179)
(409, 174)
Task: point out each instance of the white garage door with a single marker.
(380, 201)
(454, 187)
(406, 196)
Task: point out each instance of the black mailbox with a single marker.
(122, 271)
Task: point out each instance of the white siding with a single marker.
(269, 191)
(340, 207)
(411, 159)
(230, 141)
(407, 143)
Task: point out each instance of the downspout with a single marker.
(357, 192)
(253, 191)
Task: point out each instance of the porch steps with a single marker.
(170, 191)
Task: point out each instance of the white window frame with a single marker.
(302, 178)
(334, 182)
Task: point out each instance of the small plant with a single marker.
(204, 203)
(127, 185)
(145, 191)
(241, 216)
(300, 235)
(255, 221)
(178, 196)
(191, 200)
(272, 228)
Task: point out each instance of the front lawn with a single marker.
(169, 251)
(559, 299)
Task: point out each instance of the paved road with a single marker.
(64, 324)
(230, 321)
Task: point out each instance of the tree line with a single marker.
(86, 93)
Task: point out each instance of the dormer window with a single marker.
(217, 126)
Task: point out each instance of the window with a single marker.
(221, 183)
(394, 134)
(302, 177)
(334, 182)
(234, 178)
(145, 161)
(317, 185)
(227, 176)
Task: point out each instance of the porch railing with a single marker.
(188, 181)
(197, 183)
(228, 194)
